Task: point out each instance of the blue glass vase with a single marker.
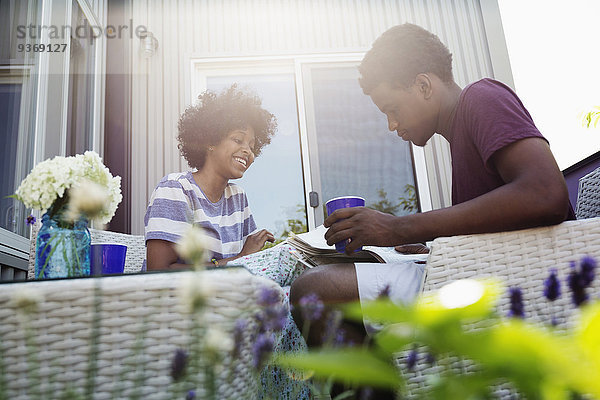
(63, 248)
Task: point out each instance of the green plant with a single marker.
(458, 328)
(406, 203)
(592, 117)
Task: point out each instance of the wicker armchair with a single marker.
(588, 196)
(131, 326)
(136, 248)
(519, 259)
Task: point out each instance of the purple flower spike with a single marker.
(191, 395)
(273, 318)
(430, 359)
(516, 303)
(262, 350)
(238, 335)
(385, 293)
(178, 364)
(268, 297)
(577, 285)
(588, 270)
(411, 360)
(311, 306)
(552, 286)
(30, 220)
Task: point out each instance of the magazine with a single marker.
(311, 249)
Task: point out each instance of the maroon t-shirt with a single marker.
(489, 116)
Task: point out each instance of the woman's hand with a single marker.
(256, 241)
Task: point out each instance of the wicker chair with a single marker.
(588, 196)
(519, 259)
(132, 325)
(136, 248)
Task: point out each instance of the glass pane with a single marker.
(274, 183)
(81, 84)
(12, 211)
(17, 108)
(357, 154)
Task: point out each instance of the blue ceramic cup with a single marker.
(344, 202)
(107, 259)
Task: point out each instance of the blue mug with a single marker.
(107, 259)
(344, 202)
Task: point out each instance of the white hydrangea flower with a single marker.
(87, 198)
(191, 245)
(49, 180)
(216, 341)
(194, 292)
(27, 300)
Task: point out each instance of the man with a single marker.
(504, 176)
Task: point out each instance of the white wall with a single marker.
(204, 28)
(553, 49)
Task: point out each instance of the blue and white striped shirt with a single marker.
(177, 202)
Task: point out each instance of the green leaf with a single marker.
(378, 311)
(395, 338)
(356, 366)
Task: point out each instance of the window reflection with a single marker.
(17, 110)
(357, 153)
(81, 84)
(274, 183)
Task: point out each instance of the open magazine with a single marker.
(312, 250)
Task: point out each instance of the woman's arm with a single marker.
(253, 244)
(161, 255)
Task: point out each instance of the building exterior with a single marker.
(125, 70)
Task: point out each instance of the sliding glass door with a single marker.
(354, 153)
(274, 183)
(332, 141)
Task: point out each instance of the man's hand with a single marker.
(363, 225)
(256, 241)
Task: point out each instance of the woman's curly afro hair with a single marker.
(207, 123)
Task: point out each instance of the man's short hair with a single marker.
(400, 54)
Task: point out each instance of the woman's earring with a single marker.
(210, 149)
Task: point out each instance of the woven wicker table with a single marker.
(137, 321)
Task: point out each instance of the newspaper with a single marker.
(311, 249)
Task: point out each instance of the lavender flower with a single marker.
(273, 318)
(516, 303)
(262, 350)
(268, 297)
(385, 293)
(30, 220)
(588, 270)
(340, 338)
(311, 307)
(332, 325)
(412, 359)
(238, 336)
(430, 358)
(178, 364)
(191, 395)
(577, 284)
(366, 393)
(552, 286)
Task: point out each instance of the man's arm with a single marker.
(535, 194)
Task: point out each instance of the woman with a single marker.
(220, 138)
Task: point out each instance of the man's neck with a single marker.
(448, 105)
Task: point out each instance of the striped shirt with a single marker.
(177, 202)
